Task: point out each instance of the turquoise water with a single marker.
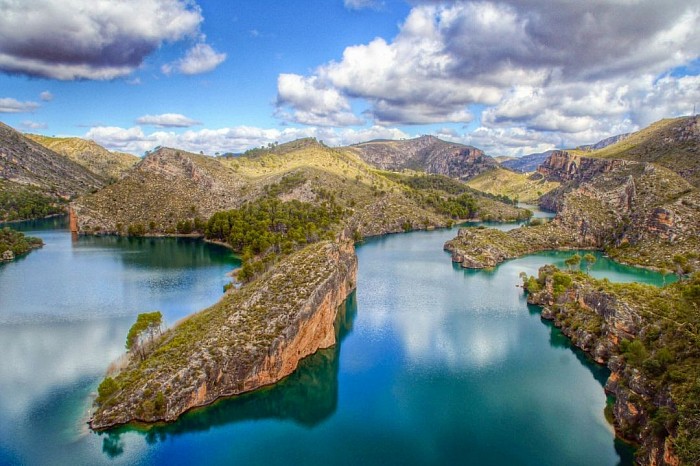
(437, 365)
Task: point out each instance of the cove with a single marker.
(436, 365)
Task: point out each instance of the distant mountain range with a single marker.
(428, 154)
(604, 142)
(526, 163)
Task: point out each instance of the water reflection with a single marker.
(307, 397)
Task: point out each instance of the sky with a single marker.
(511, 77)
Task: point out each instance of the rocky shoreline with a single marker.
(605, 322)
(253, 337)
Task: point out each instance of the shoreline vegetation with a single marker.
(14, 244)
(649, 338)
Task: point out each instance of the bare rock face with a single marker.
(429, 154)
(254, 337)
(563, 166)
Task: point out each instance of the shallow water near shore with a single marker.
(437, 365)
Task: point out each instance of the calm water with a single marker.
(437, 365)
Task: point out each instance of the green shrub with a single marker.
(107, 388)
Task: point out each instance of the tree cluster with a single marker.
(25, 204)
(16, 242)
(267, 228)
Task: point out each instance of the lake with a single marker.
(436, 365)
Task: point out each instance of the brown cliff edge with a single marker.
(253, 337)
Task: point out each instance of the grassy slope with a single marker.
(111, 165)
(524, 187)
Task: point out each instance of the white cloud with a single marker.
(89, 39)
(545, 73)
(167, 120)
(10, 105)
(46, 96)
(313, 103)
(32, 125)
(235, 139)
(201, 58)
(363, 4)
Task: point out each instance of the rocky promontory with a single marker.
(648, 337)
(254, 336)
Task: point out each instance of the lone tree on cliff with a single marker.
(141, 335)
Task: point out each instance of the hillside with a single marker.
(36, 181)
(428, 154)
(24, 161)
(169, 187)
(640, 213)
(520, 186)
(672, 143)
(526, 163)
(97, 159)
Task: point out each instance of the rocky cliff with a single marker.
(428, 154)
(563, 166)
(253, 337)
(647, 337)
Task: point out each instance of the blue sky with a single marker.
(510, 77)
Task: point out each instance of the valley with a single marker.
(295, 213)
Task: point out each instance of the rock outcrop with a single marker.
(563, 166)
(254, 337)
(672, 143)
(602, 320)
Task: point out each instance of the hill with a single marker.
(36, 181)
(640, 213)
(428, 154)
(672, 143)
(97, 159)
(169, 187)
(520, 186)
(526, 163)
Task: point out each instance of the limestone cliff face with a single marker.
(563, 166)
(254, 337)
(597, 322)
